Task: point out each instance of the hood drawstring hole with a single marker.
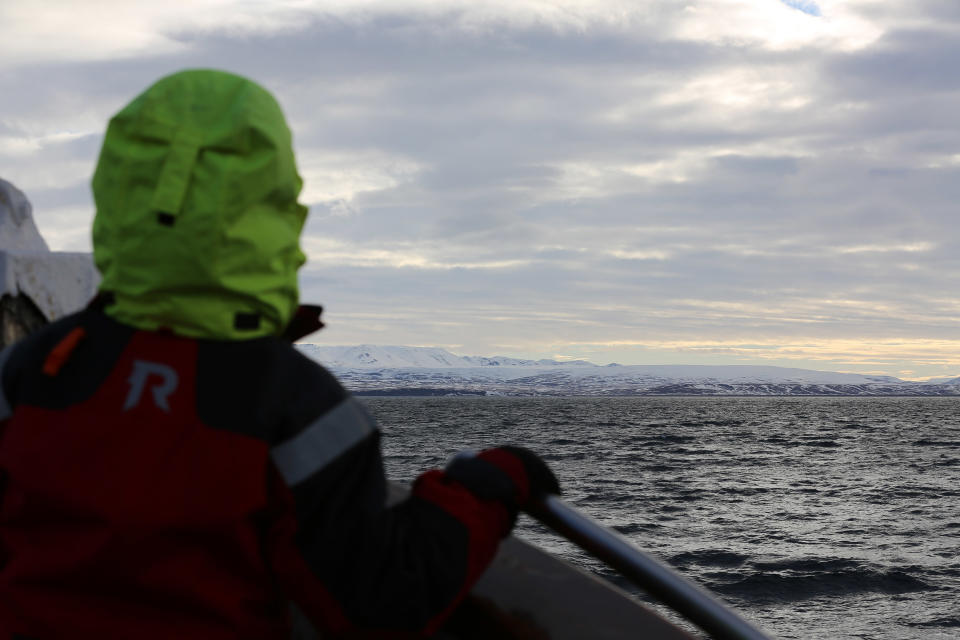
(246, 321)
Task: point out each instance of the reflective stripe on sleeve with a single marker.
(5, 409)
(324, 440)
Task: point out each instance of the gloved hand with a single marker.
(512, 475)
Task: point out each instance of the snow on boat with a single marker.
(38, 285)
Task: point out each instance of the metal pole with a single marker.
(662, 582)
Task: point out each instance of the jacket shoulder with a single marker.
(38, 343)
(21, 364)
(262, 387)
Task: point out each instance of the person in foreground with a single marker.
(170, 466)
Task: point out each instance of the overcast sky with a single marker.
(666, 181)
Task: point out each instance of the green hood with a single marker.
(197, 226)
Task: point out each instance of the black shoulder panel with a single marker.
(265, 383)
(86, 368)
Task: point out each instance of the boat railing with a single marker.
(653, 576)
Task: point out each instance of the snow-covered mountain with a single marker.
(396, 370)
(367, 356)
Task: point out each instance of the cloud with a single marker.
(646, 176)
(790, 24)
(60, 30)
(340, 176)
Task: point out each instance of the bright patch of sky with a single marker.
(713, 181)
(807, 6)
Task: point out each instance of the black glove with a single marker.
(512, 475)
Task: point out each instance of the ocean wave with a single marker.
(807, 578)
(857, 425)
(635, 527)
(821, 443)
(597, 499)
(711, 423)
(662, 438)
(707, 557)
(553, 457)
(927, 442)
(951, 622)
(671, 508)
(653, 468)
(745, 491)
(949, 462)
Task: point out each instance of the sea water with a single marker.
(814, 517)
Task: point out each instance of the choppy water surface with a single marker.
(814, 517)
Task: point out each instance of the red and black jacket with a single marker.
(154, 486)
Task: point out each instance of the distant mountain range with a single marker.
(393, 370)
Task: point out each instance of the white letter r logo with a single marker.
(161, 390)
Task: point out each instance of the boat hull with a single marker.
(527, 593)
